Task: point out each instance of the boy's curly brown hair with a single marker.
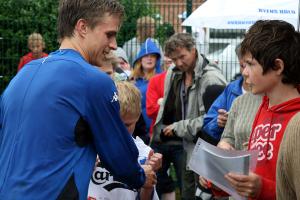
(268, 40)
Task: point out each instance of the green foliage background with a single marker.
(19, 18)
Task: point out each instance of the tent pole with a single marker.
(298, 15)
(189, 9)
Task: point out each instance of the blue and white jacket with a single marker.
(224, 101)
(148, 47)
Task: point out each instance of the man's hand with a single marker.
(225, 145)
(246, 185)
(222, 118)
(168, 131)
(155, 160)
(150, 176)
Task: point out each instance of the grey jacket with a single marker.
(188, 128)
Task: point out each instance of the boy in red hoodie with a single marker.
(36, 44)
(271, 53)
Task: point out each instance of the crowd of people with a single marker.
(95, 121)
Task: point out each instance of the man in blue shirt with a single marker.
(60, 111)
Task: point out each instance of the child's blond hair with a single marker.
(129, 99)
(35, 37)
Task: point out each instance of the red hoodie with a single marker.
(267, 131)
(27, 58)
(154, 92)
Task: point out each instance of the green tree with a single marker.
(133, 9)
(163, 32)
(19, 18)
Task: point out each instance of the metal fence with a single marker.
(217, 45)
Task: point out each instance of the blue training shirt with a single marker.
(39, 112)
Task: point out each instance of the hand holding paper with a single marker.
(245, 185)
(214, 163)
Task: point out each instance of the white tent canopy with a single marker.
(241, 14)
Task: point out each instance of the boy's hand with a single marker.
(207, 184)
(146, 193)
(159, 101)
(222, 118)
(225, 145)
(246, 185)
(203, 182)
(155, 160)
(151, 179)
(245, 145)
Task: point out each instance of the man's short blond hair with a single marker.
(144, 21)
(129, 99)
(145, 27)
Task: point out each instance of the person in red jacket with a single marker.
(155, 92)
(154, 98)
(271, 51)
(36, 45)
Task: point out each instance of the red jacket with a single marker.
(27, 58)
(155, 91)
(267, 131)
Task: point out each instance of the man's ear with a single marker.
(279, 66)
(81, 27)
(194, 50)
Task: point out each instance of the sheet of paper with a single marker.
(213, 163)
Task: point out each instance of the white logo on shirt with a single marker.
(115, 98)
(263, 138)
(45, 58)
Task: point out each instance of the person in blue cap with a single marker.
(145, 66)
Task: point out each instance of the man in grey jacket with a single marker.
(182, 111)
